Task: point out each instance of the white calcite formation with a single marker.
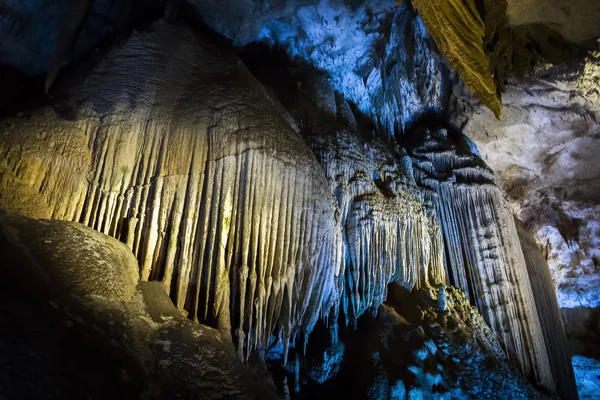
(544, 154)
(483, 257)
(378, 54)
(174, 148)
(389, 234)
(549, 313)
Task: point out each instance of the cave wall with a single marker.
(222, 201)
(544, 156)
(480, 250)
(550, 318)
(198, 172)
(483, 255)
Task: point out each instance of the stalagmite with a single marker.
(483, 256)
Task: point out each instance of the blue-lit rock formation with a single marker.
(415, 348)
(483, 255)
(378, 55)
(547, 306)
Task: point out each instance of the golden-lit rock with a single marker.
(458, 30)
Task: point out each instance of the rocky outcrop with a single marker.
(201, 175)
(170, 145)
(543, 154)
(76, 322)
(204, 191)
(413, 348)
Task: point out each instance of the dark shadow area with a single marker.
(582, 325)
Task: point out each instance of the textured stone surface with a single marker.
(77, 325)
(483, 257)
(576, 20)
(544, 156)
(72, 258)
(546, 304)
(378, 55)
(481, 253)
(198, 174)
(412, 349)
(171, 145)
(201, 175)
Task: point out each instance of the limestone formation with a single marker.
(549, 314)
(388, 234)
(412, 349)
(215, 194)
(483, 255)
(260, 217)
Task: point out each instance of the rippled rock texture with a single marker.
(419, 344)
(198, 173)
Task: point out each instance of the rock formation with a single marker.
(218, 197)
(544, 156)
(458, 29)
(483, 255)
(77, 323)
(549, 313)
(283, 205)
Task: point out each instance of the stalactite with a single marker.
(201, 175)
(171, 146)
(177, 154)
(388, 234)
(483, 256)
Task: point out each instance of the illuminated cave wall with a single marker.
(173, 147)
(213, 191)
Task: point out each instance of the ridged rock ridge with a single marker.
(549, 313)
(190, 166)
(390, 235)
